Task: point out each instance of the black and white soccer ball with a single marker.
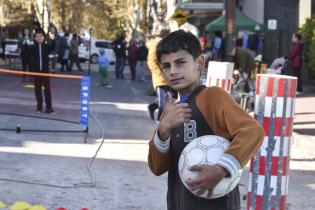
(206, 150)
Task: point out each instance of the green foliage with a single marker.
(107, 18)
(308, 36)
(16, 14)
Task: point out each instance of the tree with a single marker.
(156, 16)
(107, 18)
(14, 15)
(308, 36)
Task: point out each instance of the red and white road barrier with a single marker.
(220, 74)
(269, 169)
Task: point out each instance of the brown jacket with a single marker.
(214, 112)
(157, 75)
(225, 117)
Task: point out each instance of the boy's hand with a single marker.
(209, 177)
(174, 114)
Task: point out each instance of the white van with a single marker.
(96, 44)
(11, 46)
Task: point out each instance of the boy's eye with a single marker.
(180, 62)
(166, 67)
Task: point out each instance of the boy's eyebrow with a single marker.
(179, 59)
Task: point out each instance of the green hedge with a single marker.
(308, 36)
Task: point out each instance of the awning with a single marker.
(242, 22)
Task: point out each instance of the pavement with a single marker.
(50, 168)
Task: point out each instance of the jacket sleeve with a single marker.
(227, 119)
(152, 59)
(293, 53)
(159, 162)
(153, 64)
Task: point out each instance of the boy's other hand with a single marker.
(209, 177)
(174, 115)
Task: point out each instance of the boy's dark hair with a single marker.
(39, 31)
(179, 40)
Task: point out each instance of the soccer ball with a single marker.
(206, 150)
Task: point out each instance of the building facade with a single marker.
(288, 14)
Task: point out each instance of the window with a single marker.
(102, 44)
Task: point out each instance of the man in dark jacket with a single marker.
(40, 60)
(119, 47)
(295, 57)
(141, 55)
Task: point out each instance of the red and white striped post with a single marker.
(220, 74)
(269, 168)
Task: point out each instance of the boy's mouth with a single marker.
(176, 81)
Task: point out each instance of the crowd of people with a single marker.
(140, 57)
(66, 51)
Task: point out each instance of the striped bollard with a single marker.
(220, 74)
(274, 110)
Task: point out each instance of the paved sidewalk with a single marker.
(124, 181)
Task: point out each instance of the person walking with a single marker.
(2, 43)
(40, 60)
(141, 55)
(103, 64)
(119, 47)
(64, 52)
(25, 44)
(217, 41)
(74, 52)
(295, 58)
(132, 60)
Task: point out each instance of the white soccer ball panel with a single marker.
(195, 156)
(213, 155)
(206, 143)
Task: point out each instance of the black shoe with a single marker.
(50, 111)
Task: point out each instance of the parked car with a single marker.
(96, 45)
(11, 46)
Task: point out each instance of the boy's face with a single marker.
(181, 71)
(39, 38)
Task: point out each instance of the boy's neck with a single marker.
(188, 91)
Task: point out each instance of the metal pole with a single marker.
(90, 44)
(230, 6)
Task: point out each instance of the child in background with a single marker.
(103, 64)
(40, 63)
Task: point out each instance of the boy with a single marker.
(40, 61)
(103, 64)
(201, 111)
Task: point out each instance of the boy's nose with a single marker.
(173, 70)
